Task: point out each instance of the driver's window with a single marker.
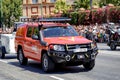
(29, 31)
(36, 32)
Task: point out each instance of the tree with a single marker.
(61, 5)
(105, 2)
(81, 4)
(12, 10)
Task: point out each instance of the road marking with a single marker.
(3, 61)
(57, 78)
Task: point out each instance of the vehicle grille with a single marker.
(75, 46)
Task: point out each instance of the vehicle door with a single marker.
(28, 42)
(36, 47)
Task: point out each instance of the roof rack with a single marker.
(53, 19)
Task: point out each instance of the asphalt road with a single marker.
(107, 68)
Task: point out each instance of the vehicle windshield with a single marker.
(59, 31)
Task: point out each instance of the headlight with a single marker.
(93, 45)
(59, 48)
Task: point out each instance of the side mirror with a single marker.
(35, 37)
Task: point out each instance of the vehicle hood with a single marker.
(67, 40)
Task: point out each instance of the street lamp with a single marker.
(91, 10)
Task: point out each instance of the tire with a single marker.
(2, 55)
(89, 65)
(22, 59)
(47, 63)
(112, 46)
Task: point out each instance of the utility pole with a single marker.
(41, 6)
(1, 13)
(91, 11)
(90, 4)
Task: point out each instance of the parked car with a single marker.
(53, 43)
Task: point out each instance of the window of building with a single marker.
(34, 10)
(34, 1)
(52, 1)
(44, 1)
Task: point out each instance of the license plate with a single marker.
(80, 56)
(80, 50)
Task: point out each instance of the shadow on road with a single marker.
(36, 67)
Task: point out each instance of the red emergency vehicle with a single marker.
(52, 42)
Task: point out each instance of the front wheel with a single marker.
(89, 65)
(47, 63)
(22, 59)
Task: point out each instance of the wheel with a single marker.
(89, 65)
(112, 46)
(22, 59)
(2, 55)
(47, 63)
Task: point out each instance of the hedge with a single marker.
(94, 16)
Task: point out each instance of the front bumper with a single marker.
(71, 57)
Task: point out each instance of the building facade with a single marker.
(38, 8)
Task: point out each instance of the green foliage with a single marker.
(95, 2)
(86, 3)
(12, 10)
(82, 16)
(81, 4)
(61, 5)
(105, 2)
(74, 18)
(79, 17)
